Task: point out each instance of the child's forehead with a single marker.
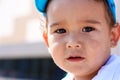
(67, 6)
(70, 2)
(43, 4)
(75, 13)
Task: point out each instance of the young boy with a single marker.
(79, 35)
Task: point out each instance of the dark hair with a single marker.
(108, 15)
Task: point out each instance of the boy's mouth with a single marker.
(75, 59)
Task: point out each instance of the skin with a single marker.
(79, 37)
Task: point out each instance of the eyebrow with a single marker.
(54, 24)
(87, 21)
(92, 21)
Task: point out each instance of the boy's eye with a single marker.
(88, 29)
(60, 31)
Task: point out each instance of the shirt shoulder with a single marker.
(111, 69)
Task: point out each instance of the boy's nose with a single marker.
(73, 45)
(73, 41)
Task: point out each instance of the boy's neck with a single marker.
(88, 77)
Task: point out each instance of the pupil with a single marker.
(61, 31)
(87, 29)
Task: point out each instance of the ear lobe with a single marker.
(45, 36)
(118, 33)
(119, 30)
(115, 35)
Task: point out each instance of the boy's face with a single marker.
(78, 36)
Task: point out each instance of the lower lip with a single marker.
(76, 59)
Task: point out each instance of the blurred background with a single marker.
(23, 54)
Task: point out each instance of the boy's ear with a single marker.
(115, 35)
(45, 37)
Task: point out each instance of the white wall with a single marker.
(20, 33)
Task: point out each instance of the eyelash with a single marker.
(84, 29)
(60, 31)
(88, 29)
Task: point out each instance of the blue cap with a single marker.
(111, 5)
(42, 4)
